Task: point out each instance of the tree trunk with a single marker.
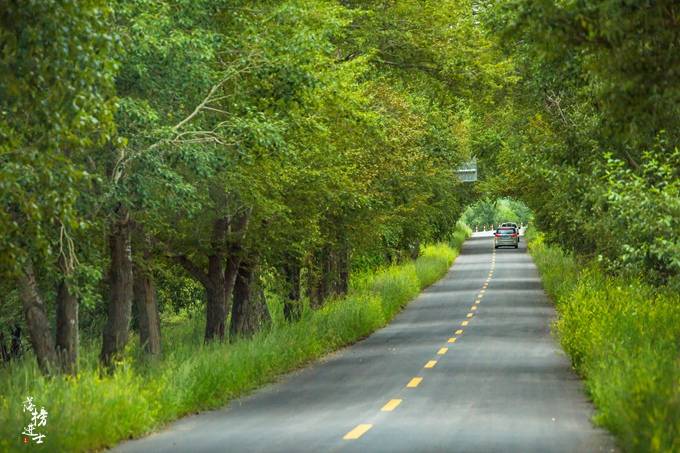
(36, 321)
(342, 283)
(327, 273)
(4, 352)
(291, 306)
(117, 325)
(249, 309)
(216, 310)
(237, 229)
(414, 250)
(147, 312)
(67, 329)
(314, 284)
(15, 349)
(319, 277)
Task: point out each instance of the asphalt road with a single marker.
(470, 366)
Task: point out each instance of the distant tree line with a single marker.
(487, 212)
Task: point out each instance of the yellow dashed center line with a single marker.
(357, 432)
(413, 383)
(391, 405)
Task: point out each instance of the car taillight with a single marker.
(514, 235)
(497, 235)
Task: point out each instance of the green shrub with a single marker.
(94, 411)
(623, 337)
(434, 258)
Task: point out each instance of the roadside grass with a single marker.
(94, 411)
(623, 337)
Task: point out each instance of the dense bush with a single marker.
(623, 336)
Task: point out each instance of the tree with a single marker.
(56, 103)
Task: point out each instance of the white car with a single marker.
(513, 225)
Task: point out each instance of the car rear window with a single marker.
(505, 231)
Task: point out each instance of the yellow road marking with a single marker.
(431, 364)
(442, 351)
(464, 323)
(482, 291)
(357, 432)
(473, 308)
(459, 331)
(391, 405)
(469, 315)
(478, 301)
(452, 339)
(413, 383)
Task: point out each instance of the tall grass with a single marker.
(623, 336)
(94, 411)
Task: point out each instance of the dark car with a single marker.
(506, 236)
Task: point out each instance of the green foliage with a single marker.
(338, 128)
(486, 212)
(645, 204)
(192, 376)
(178, 113)
(589, 138)
(428, 267)
(56, 104)
(622, 336)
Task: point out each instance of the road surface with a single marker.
(469, 366)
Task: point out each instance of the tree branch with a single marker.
(193, 270)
